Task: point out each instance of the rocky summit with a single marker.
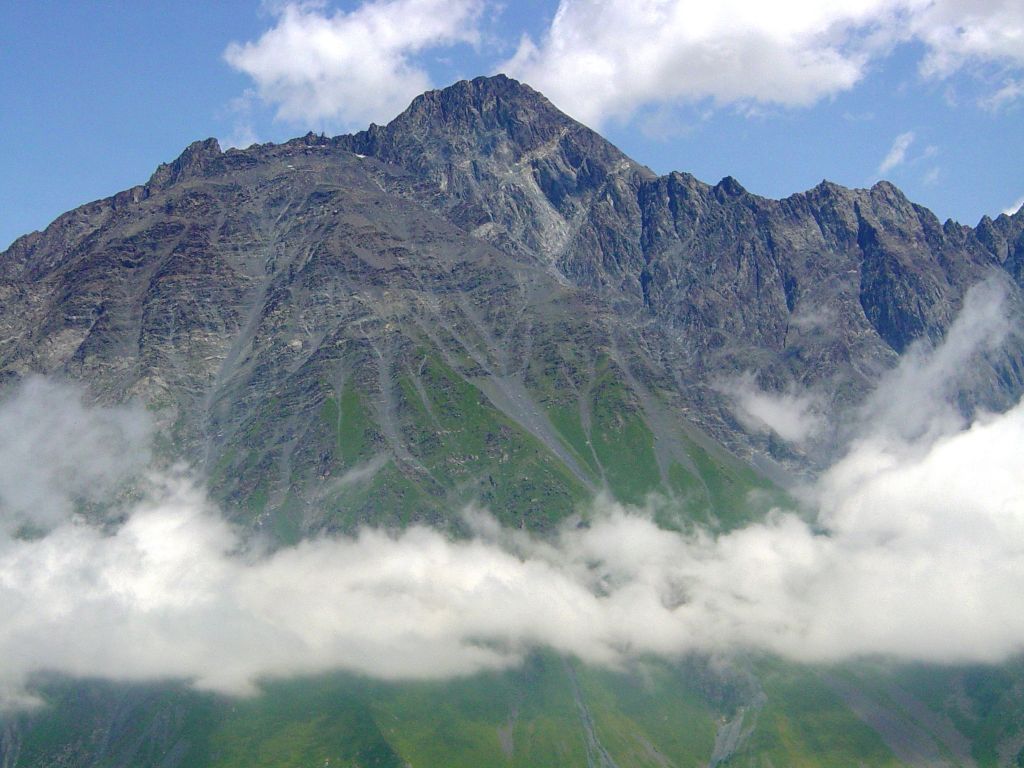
(484, 301)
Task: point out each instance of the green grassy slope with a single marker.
(430, 440)
(549, 711)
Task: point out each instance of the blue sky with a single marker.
(926, 93)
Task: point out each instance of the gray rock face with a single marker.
(465, 302)
(1004, 239)
(740, 277)
(500, 161)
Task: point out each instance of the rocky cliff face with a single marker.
(482, 299)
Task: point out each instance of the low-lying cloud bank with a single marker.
(916, 553)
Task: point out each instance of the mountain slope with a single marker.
(487, 270)
(485, 301)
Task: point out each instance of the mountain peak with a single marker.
(729, 187)
(196, 157)
(503, 157)
(471, 113)
(482, 91)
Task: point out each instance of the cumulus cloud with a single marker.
(914, 553)
(962, 32)
(607, 59)
(603, 59)
(350, 68)
(897, 153)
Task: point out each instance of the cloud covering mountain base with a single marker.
(914, 552)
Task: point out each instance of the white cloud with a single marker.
(913, 401)
(350, 68)
(240, 111)
(794, 416)
(858, 117)
(962, 32)
(897, 153)
(915, 553)
(58, 454)
(606, 59)
(1007, 94)
(918, 561)
(603, 59)
(1012, 209)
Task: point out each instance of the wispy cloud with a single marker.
(59, 455)
(897, 153)
(240, 112)
(1009, 93)
(794, 416)
(858, 117)
(1014, 207)
(914, 401)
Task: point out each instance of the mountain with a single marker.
(486, 301)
